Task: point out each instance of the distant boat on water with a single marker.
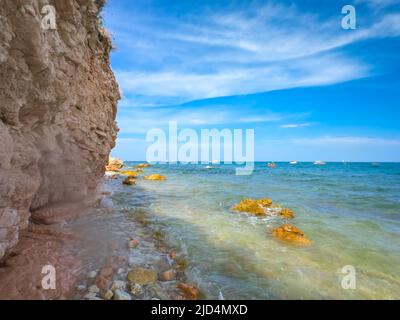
(271, 165)
(319, 163)
(293, 162)
(375, 164)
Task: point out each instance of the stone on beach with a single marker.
(155, 177)
(129, 181)
(190, 292)
(290, 234)
(142, 276)
(92, 274)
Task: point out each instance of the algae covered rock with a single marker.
(287, 213)
(262, 207)
(290, 234)
(190, 292)
(155, 177)
(129, 173)
(254, 207)
(143, 165)
(142, 276)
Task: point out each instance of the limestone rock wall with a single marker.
(58, 100)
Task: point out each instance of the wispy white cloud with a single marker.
(346, 141)
(257, 49)
(295, 125)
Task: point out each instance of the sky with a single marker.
(310, 89)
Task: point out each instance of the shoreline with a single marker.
(53, 240)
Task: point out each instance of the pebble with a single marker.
(136, 289)
(90, 296)
(94, 289)
(121, 295)
(92, 274)
(118, 284)
(133, 243)
(81, 287)
(168, 275)
(108, 295)
(121, 271)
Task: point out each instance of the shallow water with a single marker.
(351, 212)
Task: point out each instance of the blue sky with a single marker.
(310, 89)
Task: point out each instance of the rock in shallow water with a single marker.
(121, 295)
(254, 207)
(190, 292)
(290, 234)
(129, 181)
(142, 276)
(94, 289)
(118, 284)
(168, 275)
(136, 289)
(108, 295)
(155, 177)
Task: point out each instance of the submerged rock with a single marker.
(136, 289)
(290, 234)
(121, 295)
(168, 275)
(108, 295)
(133, 243)
(287, 213)
(190, 292)
(142, 276)
(94, 289)
(118, 284)
(155, 177)
(129, 181)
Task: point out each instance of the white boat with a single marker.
(319, 163)
(293, 162)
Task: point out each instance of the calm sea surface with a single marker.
(351, 212)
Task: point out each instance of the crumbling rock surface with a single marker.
(58, 100)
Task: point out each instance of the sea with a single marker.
(350, 212)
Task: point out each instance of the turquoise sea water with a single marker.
(351, 212)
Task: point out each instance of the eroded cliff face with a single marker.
(58, 100)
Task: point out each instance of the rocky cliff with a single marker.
(58, 100)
